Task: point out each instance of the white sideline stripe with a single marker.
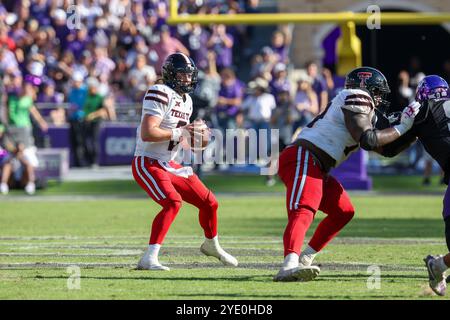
(142, 178)
(302, 184)
(151, 178)
(297, 169)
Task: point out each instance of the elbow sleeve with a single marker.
(368, 140)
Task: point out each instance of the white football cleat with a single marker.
(4, 188)
(30, 188)
(437, 279)
(146, 264)
(306, 260)
(301, 274)
(213, 249)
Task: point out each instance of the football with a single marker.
(201, 137)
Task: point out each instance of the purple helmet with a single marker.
(432, 87)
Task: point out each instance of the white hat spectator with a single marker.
(92, 82)
(11, 18)
(59, 14)
(258, 83)
(279, 67)
(77, 76)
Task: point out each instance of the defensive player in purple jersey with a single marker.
(432, 128)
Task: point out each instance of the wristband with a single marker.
(400, 129)
(176, 134)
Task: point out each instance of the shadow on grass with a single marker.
(263, 278)
(364, 277)
(379, 228)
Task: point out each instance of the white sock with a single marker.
(214, 240)
(440, 264)
(153, 252)
(291, 261)
(309, 251)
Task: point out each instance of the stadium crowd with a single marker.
(89, 57)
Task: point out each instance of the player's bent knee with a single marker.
(347, 213)
(173, 202)
(211, 201)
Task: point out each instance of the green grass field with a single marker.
(41, 237)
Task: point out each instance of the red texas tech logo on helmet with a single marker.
(364, 76)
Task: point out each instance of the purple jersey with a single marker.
(230, 92)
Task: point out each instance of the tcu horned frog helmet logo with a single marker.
(364, 75)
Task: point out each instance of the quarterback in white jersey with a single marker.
(166, 113)
(347, 124)
(174, 110)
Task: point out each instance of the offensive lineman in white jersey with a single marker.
(345, 125)
(166, 111)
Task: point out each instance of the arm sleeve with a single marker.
(392, 149)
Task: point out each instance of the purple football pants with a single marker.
(446, 211)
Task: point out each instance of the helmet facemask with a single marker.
(379, 97)
(185, 86)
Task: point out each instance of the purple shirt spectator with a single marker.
(221, 43)
(40, 10)
(196, 43)
(282, 53)
(231, 88)
(319, 86)
(77, 47)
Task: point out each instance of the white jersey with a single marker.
(328, 131)
(174, 110)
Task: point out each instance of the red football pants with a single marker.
(168, 190)
(309, 190)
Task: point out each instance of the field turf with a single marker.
(88, 226)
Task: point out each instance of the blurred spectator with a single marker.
(137, 77)
(40, 10)
(405, 92)
(415, 72)
(330, 83)
(20, 109)
(280, 80)
(318, 85)
(282, 118)
(103, 64)
(5, 39)
(230, 100)
(197, 40)
(265, 66)
(94, 112)
(166, 46)
(280, 42)
(221, 43)
(6, 149)
(8, 62)
(77, 98)
(206, 94)
(306, 105)
(49, 95)
(77, 42)
(259, 106)
(60, 26)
